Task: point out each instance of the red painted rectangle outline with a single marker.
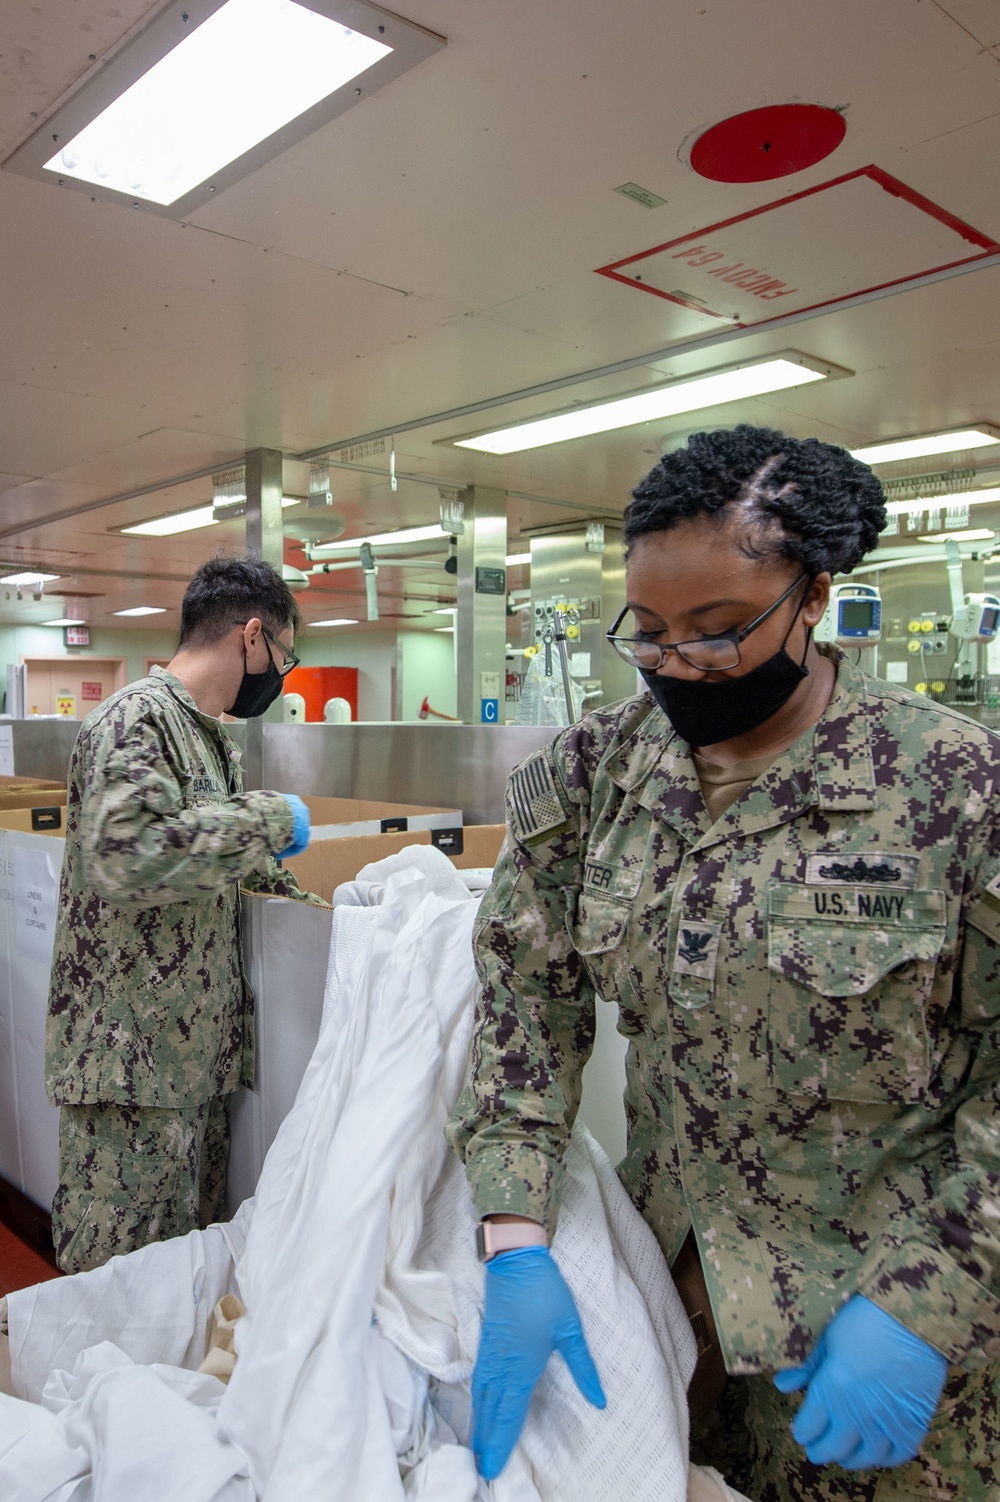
(884, 180)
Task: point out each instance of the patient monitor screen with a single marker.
(856, 615)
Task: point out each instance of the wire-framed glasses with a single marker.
(709, 653)
(288, 657)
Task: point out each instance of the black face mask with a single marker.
(706, 714)
(257, 691)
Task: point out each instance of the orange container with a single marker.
(316, 685)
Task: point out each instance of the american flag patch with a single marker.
(534, 803)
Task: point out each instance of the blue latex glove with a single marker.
(873, 1390)
(300, 827)
(529, 1314)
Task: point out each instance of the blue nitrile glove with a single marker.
(529, 1314)
(873, 1390)
(300, 827)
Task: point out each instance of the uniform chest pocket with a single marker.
(599, 929)
(850, 973)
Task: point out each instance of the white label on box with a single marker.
(895, 672)
(6, 750)
(579, 664)
(34, 903)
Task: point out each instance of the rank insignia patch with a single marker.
(697, 949)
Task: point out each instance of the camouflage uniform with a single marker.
(150, 1021)
(811, 992)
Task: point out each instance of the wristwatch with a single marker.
(508, 1236)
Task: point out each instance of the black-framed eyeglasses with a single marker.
(288, 657)
(709, 653)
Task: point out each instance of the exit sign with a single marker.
(76, 636)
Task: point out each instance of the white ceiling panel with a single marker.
(48, 47)
(12, 482)
(436, 246)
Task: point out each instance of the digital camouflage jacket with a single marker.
(147, 1001)
(810, 988)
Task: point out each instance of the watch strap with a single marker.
(493, 1238)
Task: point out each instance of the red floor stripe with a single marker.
(20, 1267)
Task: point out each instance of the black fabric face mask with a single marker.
(257, 691)
(705, 714)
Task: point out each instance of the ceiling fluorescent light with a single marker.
(142, 610)
(344, 622)
(28, 579)
(711, 389)
(209, 90)
(446, 610)
(924, 446)
(167, 526)
(236, 79)
(513, 559)
(67, 620)
(941, 502)
(385, 539)
(975, 534)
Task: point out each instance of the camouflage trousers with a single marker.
(129, 1175)
(747, 1438)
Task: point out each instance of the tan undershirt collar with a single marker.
(721, 786)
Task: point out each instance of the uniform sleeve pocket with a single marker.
(599, 931)
(850, 973)
(599, 925)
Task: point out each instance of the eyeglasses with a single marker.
(288, 657)
(709, 653)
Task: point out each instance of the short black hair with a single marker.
(225, 591)
(810, 502)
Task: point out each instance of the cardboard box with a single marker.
(33, 798)
(41, 818)
(343, 818)
(328, 863)
(30, 784)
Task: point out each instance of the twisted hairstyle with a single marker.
(809, 502)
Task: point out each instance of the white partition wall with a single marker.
(29, 1126)
(286, 946)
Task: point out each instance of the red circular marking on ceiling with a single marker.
(771, 142)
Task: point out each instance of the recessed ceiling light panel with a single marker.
(711, 388)
(212, 89)
(167, 526)
(142, 610)
(401, 538)
(924, 445)
(28, 579)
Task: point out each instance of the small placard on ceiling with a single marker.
(640, 195)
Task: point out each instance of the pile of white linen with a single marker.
(360, 1207)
